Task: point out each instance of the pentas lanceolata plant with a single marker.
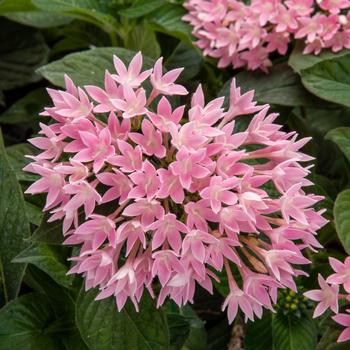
(154, 194)
(328, 296)
(240, 34)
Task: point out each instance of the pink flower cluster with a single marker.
(328, 296)
(245, 35)
(154, 193)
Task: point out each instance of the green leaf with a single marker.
(342, 218)
(2, 99)
(62, 303)
(34, 213)
(141, 8)
(187, 57)
(298, 61)
(93, 11)
(292, 333)
(16, 155)
(281, 87)
(197, 338)
(142, 38)
(49, 259)
(14, 226)
(88, 67)
(179, 330)
(168, 19)
(341, 137)
(103, 327)
(26, 109)
(48, 232)
(15, 6)
(329, 80)
(38, 19)
(28, 323)
(329, 340)
(20, 56)
(258, 334)
(80, 35)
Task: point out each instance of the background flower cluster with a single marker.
(246, 35)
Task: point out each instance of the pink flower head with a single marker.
(245, 35)
(163, 193)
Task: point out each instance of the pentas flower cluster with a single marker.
(242, 35)
(156, 194)
(329, 295)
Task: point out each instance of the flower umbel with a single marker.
(157, 194)
(240, 34)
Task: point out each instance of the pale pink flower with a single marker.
(199, 213)
(146, 181)
(74, 107)
(97, 230)
(52, 144)
(165, 263)
(188, 166)
(77, 171)
(301, 7)
(131, 232)
(237, 298)
(96, 266)
(344, 320)
(51, 182)
(194, 242)
(327, 297)
(164, 84)
(218, 192)
(168, 228)
(342, 273)
(118, 130)
(165, 116)
(83, 194)
(131, 76)
(150, 141)
(130, 158)
(119, 183)
(97, 148)
(147, 210)
(293, 203)
(104, 97)
(170, 186)
(133, 104)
